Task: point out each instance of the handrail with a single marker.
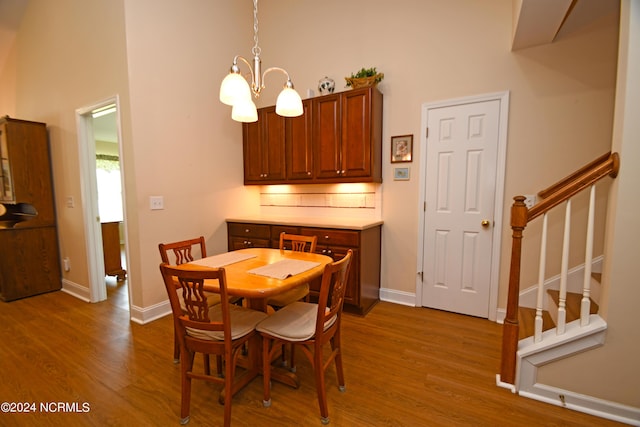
(564, 181)
(609, 164)
(563, 190)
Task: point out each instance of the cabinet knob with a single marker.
(246, 230)
(309, 173)
(326, 237)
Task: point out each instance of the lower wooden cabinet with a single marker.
(29, 262)
(244, 235)
(363, 286)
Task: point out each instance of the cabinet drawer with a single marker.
(277, 229)
(236, 243)
(333, 237)
(259, 231)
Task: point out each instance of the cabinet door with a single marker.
(252, 152)
(30, 265)
(356, 133)
(327, 134)
(299, 133)
(263, 144)
(273, 135)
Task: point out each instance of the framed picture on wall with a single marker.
(401, 148)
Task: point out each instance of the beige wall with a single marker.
(561, 94)
(70, 54)
(166, 61)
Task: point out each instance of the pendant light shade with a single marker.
(245, 111)
(234, 88)
(236, 91)
(289, 103)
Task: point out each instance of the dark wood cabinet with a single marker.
(246, 235)
(327, 136)
(363, 286)
(264, 149)
(337, 139)
(299, 145)
(361, 130)
(29, 256)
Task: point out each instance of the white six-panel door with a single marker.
(460, 191)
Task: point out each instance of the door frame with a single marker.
(88, 188)
(503, 99)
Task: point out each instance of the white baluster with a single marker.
(537, 337)
(585, 306)
(562, 300)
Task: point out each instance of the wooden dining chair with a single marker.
(222, 330)
(183, 251)
(298, 243)
(310, 326)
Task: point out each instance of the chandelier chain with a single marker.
(256, 49)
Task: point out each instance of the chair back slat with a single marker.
(191, 283)
(298, 242)
(182, 250)
(332, 291)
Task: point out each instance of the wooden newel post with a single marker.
(519, 217)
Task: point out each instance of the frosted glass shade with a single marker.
(289, 103)
(244, 111)
(233, 88)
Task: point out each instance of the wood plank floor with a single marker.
(404, 366)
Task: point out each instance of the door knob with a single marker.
(485, 223)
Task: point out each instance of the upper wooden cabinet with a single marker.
(337, 139)
(263, 145)
(299, 144)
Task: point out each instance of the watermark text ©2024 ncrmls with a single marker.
(45, 407)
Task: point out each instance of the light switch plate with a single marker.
(156, 203)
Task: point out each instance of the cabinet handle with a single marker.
(342, 172)
(246, 230)
(326, 237)
(309, 173)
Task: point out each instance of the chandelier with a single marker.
(235, 90)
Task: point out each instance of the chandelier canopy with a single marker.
(235, 90)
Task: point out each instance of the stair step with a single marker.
(572, 305)
(526, 322)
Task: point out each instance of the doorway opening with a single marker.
(102, 176)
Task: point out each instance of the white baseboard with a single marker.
(398, 297)
(76, 290)
(149, 314)
(586, 404)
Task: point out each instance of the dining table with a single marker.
(255, 274)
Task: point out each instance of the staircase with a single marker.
(527, 315)
(561, 317)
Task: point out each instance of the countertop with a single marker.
(343, 223)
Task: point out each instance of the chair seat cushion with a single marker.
(243, 321)
(294, 322)
(292, 295)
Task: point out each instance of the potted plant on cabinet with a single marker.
(365, 77)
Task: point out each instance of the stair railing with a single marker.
(560, 192)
